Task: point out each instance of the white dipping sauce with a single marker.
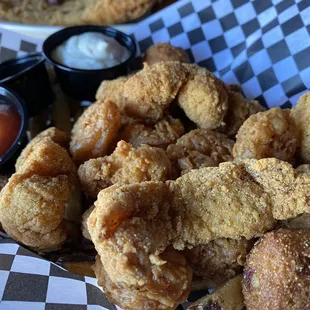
(90, 50)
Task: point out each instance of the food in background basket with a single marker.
(74, 12)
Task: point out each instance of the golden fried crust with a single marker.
(146, 203)
(41, 194)
(125, 166)
(131, 228)
(107, 12)
(32, 210)
(113, 91)
(161, 293)
(277, 274)
(301, 115)
(288, 190)
(239, 110)
(200, 148)
(150, 91)
(46, 158)
(219, 260)
(55, 135)
(163, 133)
(94, 131)
(219, 202)
(165, 52)
(74, 12)
(204, 98)
(267, 134)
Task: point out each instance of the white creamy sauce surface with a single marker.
(89, 51)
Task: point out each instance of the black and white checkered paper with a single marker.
(29, 282)
(262, 45)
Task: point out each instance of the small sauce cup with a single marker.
(28, 77)
(8, 97)
(82, 84)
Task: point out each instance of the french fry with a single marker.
(60, 111)
(227, 297)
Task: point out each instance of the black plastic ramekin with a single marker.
(27, 76)
(10, 98)
(82, 84)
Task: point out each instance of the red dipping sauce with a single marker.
(10, 122)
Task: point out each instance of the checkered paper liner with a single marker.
(262, 45)
(30, 282)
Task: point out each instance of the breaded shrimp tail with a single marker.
(94, 131)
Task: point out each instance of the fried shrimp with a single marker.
(94, 131)
(32, 210)
(277, 275)
(165, 292)
(148, 93)
(272, 133)
(204, 98)
(200, 148)
(53, 134)
(165, 52)
(163, 133)
(42, 195)
(131, 230)
(125, 166)
(113, 90)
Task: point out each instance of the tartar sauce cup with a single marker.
(10, 98)
(81, 84)
(27, 76)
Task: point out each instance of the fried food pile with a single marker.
(74, 12)
(184, 177)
